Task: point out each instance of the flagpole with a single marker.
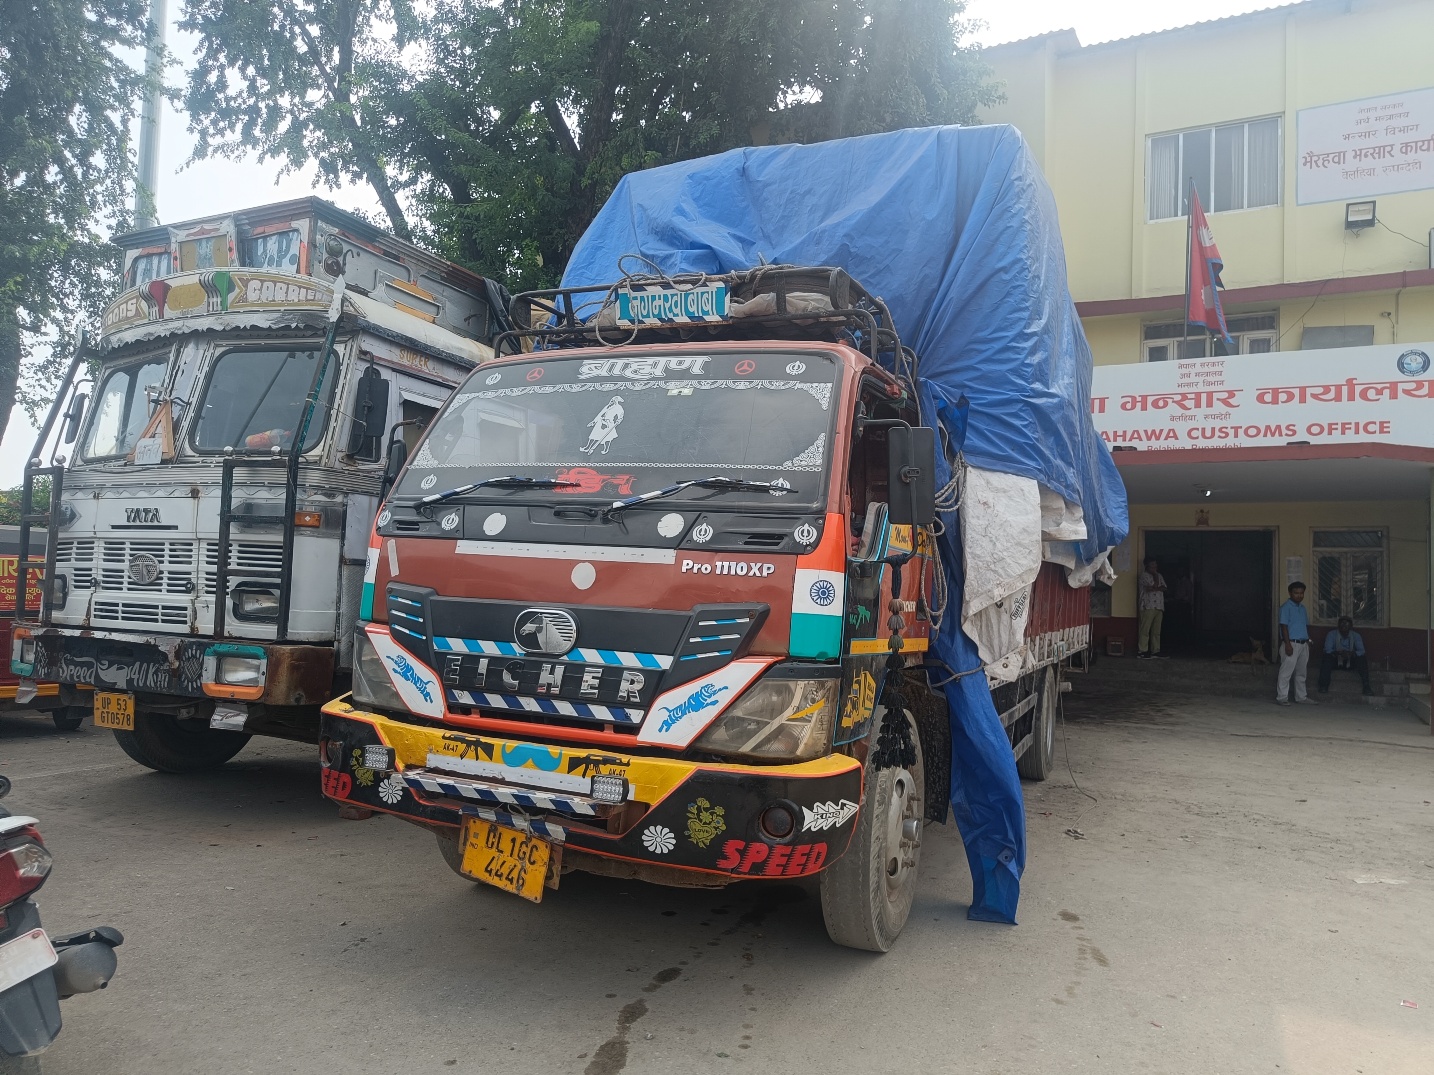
(1189, 251)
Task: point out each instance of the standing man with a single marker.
(1343, 648)
(1152, 610)
(1294, 647)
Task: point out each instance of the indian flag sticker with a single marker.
(818, 600)
(370, 576)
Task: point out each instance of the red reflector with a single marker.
(24, 865)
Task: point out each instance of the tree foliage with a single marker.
(66, 101)
(506, 123)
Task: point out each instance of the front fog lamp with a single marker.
(372, 687)
(378, 757)
(240, 671)
(777, 719)
(609, 789)
(256, 604)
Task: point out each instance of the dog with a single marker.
(1255, 655)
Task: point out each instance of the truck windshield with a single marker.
(255, 400)
(121, 408)
(621, 426)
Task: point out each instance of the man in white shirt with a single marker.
(1152, 610)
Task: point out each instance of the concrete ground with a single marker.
(1251, 891)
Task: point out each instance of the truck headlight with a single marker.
(372, 687)
(240, 671)
(254, 603)
(777, 719)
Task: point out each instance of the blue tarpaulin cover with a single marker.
(956, 229)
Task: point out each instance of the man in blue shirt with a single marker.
(1294, 647)
(1343, 648)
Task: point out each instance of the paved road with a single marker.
(1253, 892)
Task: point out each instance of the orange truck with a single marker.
(659, 609)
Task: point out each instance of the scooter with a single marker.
(37, 971)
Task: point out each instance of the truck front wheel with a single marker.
(171, 744)
(867, 893)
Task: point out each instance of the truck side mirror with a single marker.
(911, 463)
(393, 465)
(370, 414)
(74, 415)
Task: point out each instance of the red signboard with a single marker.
(9, 573)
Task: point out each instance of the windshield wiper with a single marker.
(717, 481)
(509, 481)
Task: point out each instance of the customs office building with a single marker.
(1304, 449)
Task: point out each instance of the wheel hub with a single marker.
(903, 833)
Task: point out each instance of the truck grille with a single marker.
(76, 558)
(153, 613)
(175, 559)
(247, 559)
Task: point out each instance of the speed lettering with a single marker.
(772, 860)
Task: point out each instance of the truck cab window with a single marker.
(122, 408)
(255, 400)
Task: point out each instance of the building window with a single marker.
(1349, 570)
(1236, 166)
(1253, 334)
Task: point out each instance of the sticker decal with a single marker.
(701, 534)
(416, 683)
(772, 860)
(428, 482)
(755, 568)
(390, 789)
(385, 517)
(493, 378)
(829, 815)
(670, 525)
(658, 839)
(450, 521)
(641, 369)
(603, 428)
(780, 487)
(584, 575)
(536, 373)
(587, 480)
(745, 367)
(806, 534)
(363, 775)
(337, 784)
(493, 525)
(860, 700)
(795, 368)
(705, 822)
(822, 592)
(702, 698)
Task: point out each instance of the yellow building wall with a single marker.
(1089, 111)
(1405, 523)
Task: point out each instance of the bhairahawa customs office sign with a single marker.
(1361, 149)
(1343, 395)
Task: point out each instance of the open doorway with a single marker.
(1220, 585)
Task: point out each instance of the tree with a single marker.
(506, 123)
(291, 79)
(66, 101)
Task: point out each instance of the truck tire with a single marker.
(867, 893)
(69, 718)
(167, 744)
(451, 852)
(1036, 763)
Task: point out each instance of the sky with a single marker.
(186, 191)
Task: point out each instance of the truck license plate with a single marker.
(24, 957)
(505, 858)
(115, 711)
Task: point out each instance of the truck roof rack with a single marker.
(786, 302)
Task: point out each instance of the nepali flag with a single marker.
(1202, 299)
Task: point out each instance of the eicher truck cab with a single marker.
(652, 601)
(214, 460)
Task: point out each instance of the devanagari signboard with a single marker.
(1360, 149)
(1343, 395)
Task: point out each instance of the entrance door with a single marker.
(1220, 583)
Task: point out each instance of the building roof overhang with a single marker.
(1295, 472)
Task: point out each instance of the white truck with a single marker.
(229, 435)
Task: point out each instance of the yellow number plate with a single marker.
(505, 858)
(114, 711)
